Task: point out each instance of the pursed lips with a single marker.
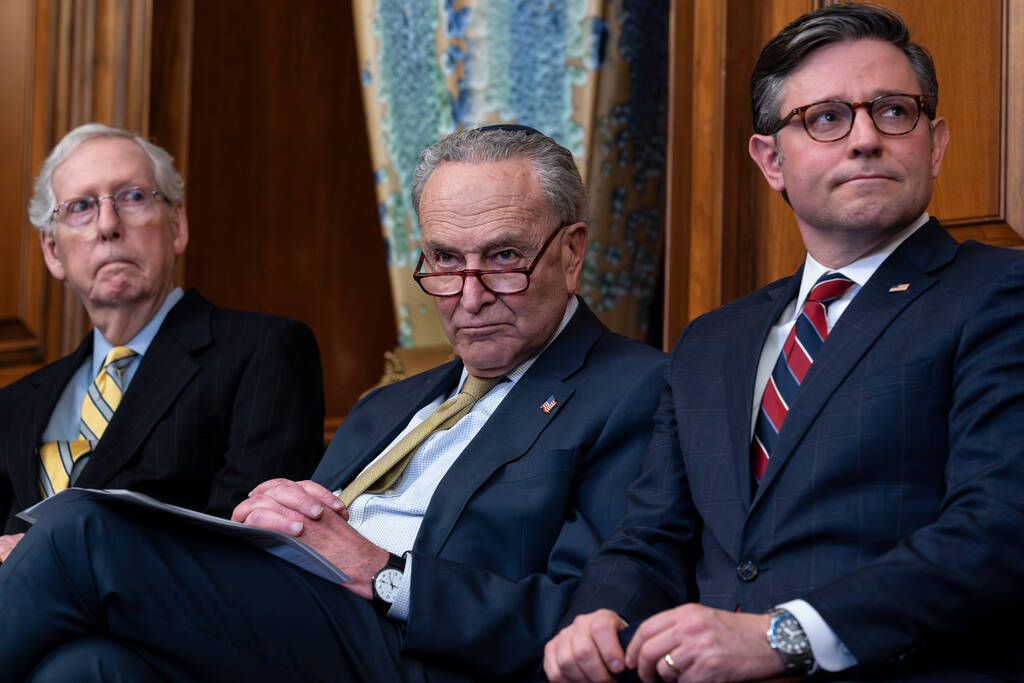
(115, 261)
(868, 176)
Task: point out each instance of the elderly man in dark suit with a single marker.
(168, 395)
(843, 494)
(463, 537)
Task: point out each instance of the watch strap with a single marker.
(801, 662)
(394, 562)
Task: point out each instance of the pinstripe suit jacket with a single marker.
(221, 401)
(894, 502)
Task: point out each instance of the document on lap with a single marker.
(280, 545)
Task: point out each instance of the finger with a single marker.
(329, 500)
(291, 495)
(7, 544)
(649, 628)
(605, 634)
(552, 666)
(651, 661)
(274, 520)
(667, 669)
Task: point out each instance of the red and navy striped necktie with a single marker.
(804, 340)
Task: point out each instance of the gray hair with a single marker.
(40, 207)
(824, 26)
(559, 178)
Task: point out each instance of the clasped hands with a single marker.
(315, 516)
(702, 644)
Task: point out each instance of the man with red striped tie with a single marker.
(834, 483)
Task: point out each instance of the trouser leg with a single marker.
(94, 660)
(192, 605)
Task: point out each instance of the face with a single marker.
(110, 263)
(491, 216)
(867, 186)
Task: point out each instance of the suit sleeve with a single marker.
(493, 623)
(964, 571)
(276, 424)
(646, 565)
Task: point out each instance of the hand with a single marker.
(7, 544)
(316, 516)
(705, 644)
(586, 650)
(284, 505)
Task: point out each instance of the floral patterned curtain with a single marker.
(591, 74)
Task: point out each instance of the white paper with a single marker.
(286, 547)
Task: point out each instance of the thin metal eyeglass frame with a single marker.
(921, 100)
(98, 200)
(528, 271)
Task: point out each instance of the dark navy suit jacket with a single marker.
(895, 501)
(222, 401)
(531, 497)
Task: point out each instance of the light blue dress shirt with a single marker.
(64, 421)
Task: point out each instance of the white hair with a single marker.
(40, 207)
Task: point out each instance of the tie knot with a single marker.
(829, 287)
(119, 358)
(477, 387)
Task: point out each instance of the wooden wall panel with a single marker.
(22, 275)
(728, 233)
(64, 62)
(281, 205)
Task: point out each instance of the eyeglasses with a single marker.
(130, 204)
(832, 120)
(507, 281)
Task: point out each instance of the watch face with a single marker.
(386, 584)
(790, 637)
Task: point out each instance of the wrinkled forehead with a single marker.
(484, 197)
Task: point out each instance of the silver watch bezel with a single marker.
(796, 657)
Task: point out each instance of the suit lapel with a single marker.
(868, 315)
(515, 425)
(163, 373)
(23, 459)
(747, 343)
(339, 467)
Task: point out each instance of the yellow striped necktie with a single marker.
(386, 470)
(62, 461)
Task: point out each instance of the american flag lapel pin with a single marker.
(548, 404)
(900, 288)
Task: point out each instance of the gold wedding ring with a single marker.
(671, 662)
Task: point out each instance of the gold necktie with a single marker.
(61, 461)
(386, 470)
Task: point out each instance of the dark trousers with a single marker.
(98, 586)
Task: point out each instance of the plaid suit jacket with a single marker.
(894, 501)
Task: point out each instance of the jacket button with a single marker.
(746, 570)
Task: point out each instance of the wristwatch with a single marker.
(385, 583)
(787, 637)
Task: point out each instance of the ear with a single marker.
(765, 152)
(48, 243)
(940, 139)
(179, 228)
(573, 249)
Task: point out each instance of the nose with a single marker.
(108, 223)
(864, 138)
(474, 295)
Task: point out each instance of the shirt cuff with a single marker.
(830, 653)
(399, 610)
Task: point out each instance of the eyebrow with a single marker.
(501, 241)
